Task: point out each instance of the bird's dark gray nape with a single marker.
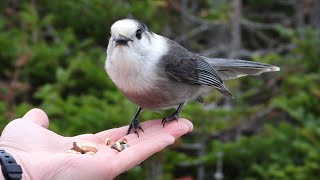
(142, 26)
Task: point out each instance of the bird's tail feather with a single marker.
(234, 68)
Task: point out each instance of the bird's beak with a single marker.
(122, 40)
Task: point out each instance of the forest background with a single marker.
(52, 56)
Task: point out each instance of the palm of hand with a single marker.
(42, 153)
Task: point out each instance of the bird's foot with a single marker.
(134, 125)
(174, 116)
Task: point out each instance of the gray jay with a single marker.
(156, 73)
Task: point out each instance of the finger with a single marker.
(155, 128)
(113, 134)
(117, 133)
(188, 123)
(156, 138)
(134, 155)
(37, 116)
(173, 128)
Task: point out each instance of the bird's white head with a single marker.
(129, 36)
(128, 30)
(129, 33)
(133, 53)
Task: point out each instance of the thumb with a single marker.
(37, 116)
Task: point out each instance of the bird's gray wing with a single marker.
(194, 70)
(234, 68)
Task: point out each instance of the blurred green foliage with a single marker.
(61, 46)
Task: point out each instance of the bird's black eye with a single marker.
(139, 33)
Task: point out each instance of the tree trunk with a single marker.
(235, 28)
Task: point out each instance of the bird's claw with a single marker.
(174, 116)
(134, 125)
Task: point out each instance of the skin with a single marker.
(42, 153)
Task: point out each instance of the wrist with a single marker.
(1, 175)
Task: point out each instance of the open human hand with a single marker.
(42, 153)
